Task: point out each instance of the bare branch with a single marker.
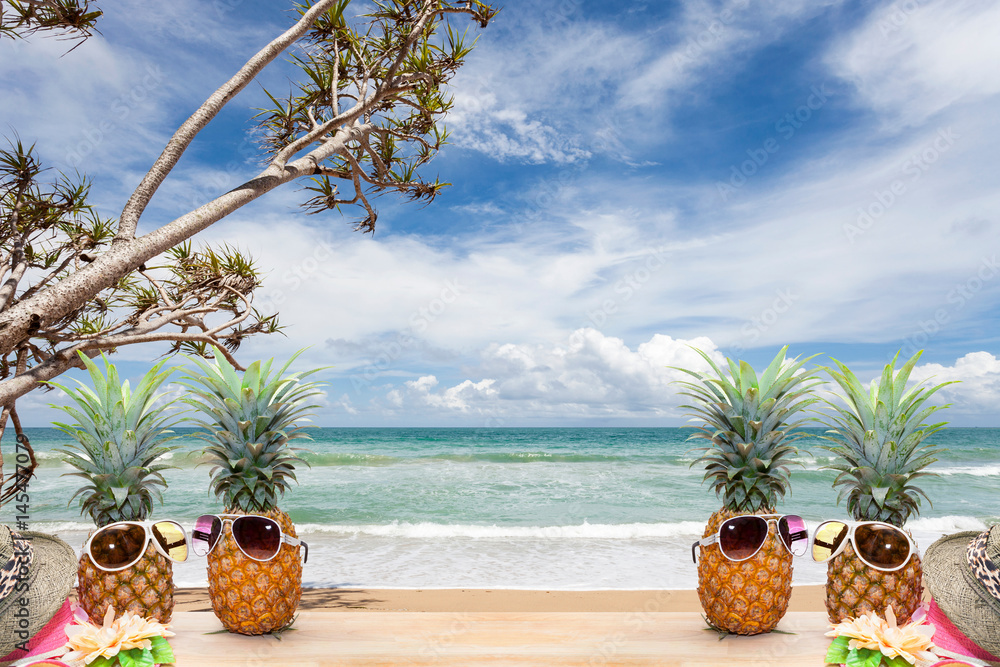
(356, 173)
(335, 79)
(159, 288)
(136, 204)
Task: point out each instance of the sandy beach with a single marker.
(804, 599)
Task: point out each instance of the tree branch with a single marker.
(120, 260)
(136, 204)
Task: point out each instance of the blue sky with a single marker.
(629, 179)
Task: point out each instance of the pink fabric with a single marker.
(49, 638)
(950, 638)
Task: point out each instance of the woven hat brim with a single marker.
(53, 570)
(963, 600)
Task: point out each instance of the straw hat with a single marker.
(36, 575)
(962, 572)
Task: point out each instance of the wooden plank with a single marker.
(499, 638)
(350, 600)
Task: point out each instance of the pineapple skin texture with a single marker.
(749, 597)
(853, 588)
(252, 597)
(146, 588)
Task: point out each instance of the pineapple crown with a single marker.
(747, 421)
(879, 438)
(119, 434)
(249, 419)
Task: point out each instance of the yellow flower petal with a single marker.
(87, 642)
(911, 641)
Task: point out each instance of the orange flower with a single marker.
(911, 642)
(87, 641)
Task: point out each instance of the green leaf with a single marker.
(898, 662)
(144, 659)
(120, 495)
(879, 494)
(863, 657)
(874, 660)
(162, 653)
(126, 659)
(136, 657)
(837, 653)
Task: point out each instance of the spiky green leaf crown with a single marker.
(879, 438)
(119, 434)
(249, 419)
(748, 422)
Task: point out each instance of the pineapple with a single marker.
(879, 438)
(746, 419)
(119, 434)
(146, 588)
(249, 420)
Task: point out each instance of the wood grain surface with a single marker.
(499, 638)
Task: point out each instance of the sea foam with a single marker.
(425, 530)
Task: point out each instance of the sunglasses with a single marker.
(259, 537)
(122, 544)
(741, 537)
(879, 545)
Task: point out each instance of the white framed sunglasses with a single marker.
(121, 545)
(741, 537)
(258, 537)
(879, 545)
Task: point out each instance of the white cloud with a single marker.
(360, 298)
(506, 133)
(346, 404)
(591, 375)
(978, 388)
(484, 208)
(538, 89)
(463, 397)
(773, 266)
(705, 33)
(711, 42)
(621, 258)
(911, 60)
(544, 100)
(596, 376)
(91, 107)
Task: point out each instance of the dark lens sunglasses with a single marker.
(741, 537)
(259, 537)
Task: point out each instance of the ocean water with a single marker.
(557, 509)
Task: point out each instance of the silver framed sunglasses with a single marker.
(741, 537)
(258, 537)
(121, 545)
(879, 545)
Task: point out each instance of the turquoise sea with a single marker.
(534, 508)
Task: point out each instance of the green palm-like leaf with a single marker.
(118, 433)
(751, 424)
(248, 421)
(879, 437)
